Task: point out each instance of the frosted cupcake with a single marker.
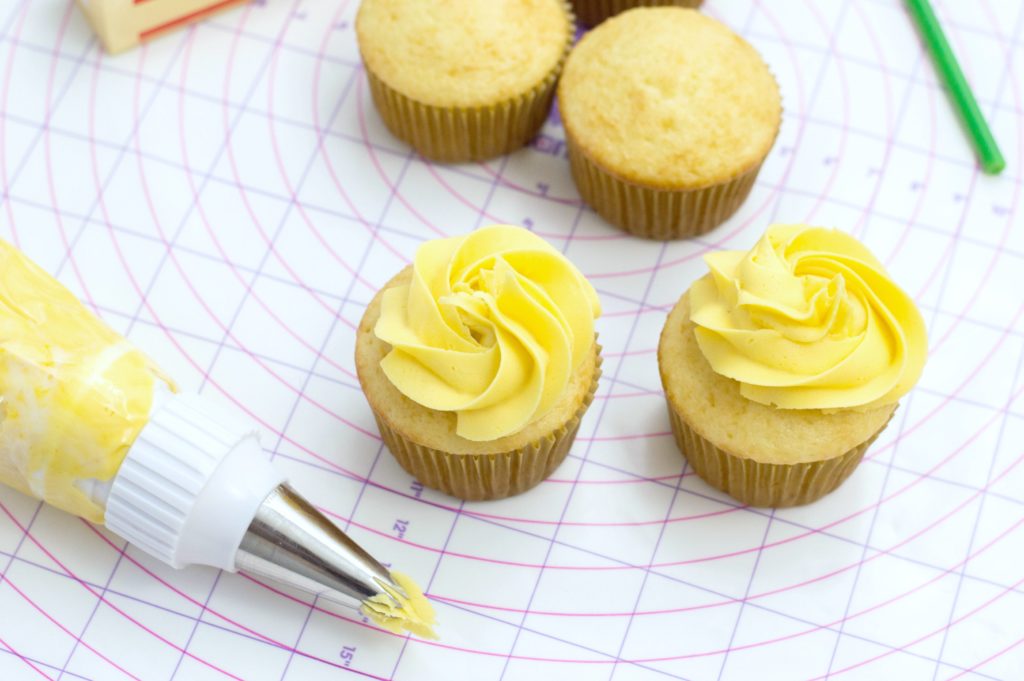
(593, 12)
(464, 80)
(783, 364)
(479, 360)
(668, 116)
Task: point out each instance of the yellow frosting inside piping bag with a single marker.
(74, 393)
(491, 327)
(398, 612)
(808, 319)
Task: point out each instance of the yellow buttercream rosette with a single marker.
(490, 327)
(808, 319)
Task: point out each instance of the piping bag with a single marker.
(91, 425)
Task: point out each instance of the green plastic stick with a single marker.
(963, 99)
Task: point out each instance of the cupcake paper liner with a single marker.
(656, 213)
(459, 134)
(764, 484)
(593, 12)
(477, 477)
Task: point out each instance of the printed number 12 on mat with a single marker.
(122, 24)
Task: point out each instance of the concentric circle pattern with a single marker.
(228, 198)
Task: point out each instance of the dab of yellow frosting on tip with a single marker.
(398, 612)
(808, 319)
(73, 393)
(491, 327)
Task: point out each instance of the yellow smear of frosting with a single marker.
(399, 612)
(808, 319)
(73, 393)
(491, 327)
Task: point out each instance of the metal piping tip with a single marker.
(291, 542)
(389, 587)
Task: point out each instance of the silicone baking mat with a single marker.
(228, 198)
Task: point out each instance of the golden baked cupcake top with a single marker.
(490, 326)
(808, 319)
(670, 98)
(463, 53)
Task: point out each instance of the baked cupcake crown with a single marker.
(463, 53)
(670, 98)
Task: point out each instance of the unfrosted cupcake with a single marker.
(668, 116)
(464, 80)
(593, 12)
(479, 360)
(783, 364)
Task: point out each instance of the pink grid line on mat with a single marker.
(228, 198)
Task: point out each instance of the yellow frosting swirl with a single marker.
(491, 327)
(808, 319)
